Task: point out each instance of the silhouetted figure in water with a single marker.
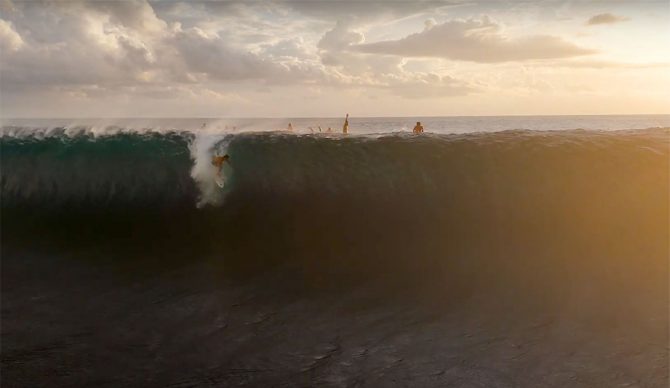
(329, 130)
(290, 127)
(218, 161)
(320, 129)
(418, 128)
(345, 127)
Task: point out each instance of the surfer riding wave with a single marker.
(218, 162)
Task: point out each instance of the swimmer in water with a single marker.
(345, 127)
(218, 161)
(418, 128)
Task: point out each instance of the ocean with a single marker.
(488, 251)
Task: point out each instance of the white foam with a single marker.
(203, 147)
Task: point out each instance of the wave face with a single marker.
(524, 206)
(82, 171)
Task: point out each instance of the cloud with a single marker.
(475, 40)
(340, 37)
(427, 85)
(605, 18)
(173, 52)
(292, 47)
(70, 44)
(383, 72)
(132, 14)
(334, 44)
(10, 40)
(367, 10)
(210, 55)
(113, 45)
(154, 50)
(602, 64)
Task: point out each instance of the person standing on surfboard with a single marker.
(345, 127)
(218, 161)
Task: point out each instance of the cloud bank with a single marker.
(124, 47)
(475, 40)
(605, 18)
(250, 58)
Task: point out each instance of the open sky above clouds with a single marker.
(324, 58)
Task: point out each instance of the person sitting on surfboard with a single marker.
(218, 161)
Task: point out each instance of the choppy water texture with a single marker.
(520, 257)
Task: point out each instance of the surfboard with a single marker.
(219, 181)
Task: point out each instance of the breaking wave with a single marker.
(528, 207)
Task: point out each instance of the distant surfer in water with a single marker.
(345, 127)
(218, 161)
(418, 128)
(290, 127)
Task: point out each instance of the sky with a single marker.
(326, 58)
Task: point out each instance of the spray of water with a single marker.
(205, 144)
